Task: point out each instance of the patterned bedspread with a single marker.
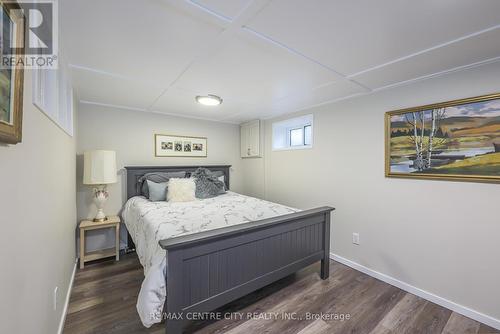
(149, 222)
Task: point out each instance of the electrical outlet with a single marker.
(54, 301)
(355, 238)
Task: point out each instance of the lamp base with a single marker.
(100, 197)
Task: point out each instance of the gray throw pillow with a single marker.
(157, 177)
(157, 191)
(207, 184)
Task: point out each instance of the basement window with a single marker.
(294, 133)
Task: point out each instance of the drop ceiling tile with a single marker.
(469, 51)
(147, 40)
(254, 71)
(352, 36)
(182, 102)
(102, 88)
(319, 95)
(229, 9)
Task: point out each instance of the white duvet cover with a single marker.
(149, 222)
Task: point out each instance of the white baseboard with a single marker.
(66, 302)
(478, 316)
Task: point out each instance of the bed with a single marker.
(198, 256)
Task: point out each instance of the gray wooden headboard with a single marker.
(134, 173)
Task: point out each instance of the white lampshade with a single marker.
(99, 167)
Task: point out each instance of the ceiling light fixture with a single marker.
(209, 100)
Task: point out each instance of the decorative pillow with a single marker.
(157, 191)
(181, 190)
(217, 173)
(223, 180)
(157, 177)
(207, 184)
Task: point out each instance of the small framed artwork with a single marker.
(11, 77)
(455, 140)
(180, 146)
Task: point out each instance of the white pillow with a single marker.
(181, 190)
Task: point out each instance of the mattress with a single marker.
(149, 222)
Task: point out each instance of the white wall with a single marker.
(254, 177)
(38, 219)
(447, 243)
(130, 134)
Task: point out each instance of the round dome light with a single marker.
(209, 100)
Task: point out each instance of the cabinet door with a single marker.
(250, 139)
(254, 138)
(244, 149)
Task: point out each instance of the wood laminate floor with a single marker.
(104, 297)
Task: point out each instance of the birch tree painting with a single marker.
(425, 139)
(455, 139)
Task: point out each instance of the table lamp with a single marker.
(99, 169)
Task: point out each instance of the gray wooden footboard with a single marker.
(209, 269)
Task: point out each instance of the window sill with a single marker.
(293, 148)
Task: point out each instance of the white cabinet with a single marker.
(250, 139)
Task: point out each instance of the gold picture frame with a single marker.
(180, 146)
(12, 80)
(456, 140)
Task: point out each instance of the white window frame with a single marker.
(282, 129)
(52, 94)
(303, 128)
(310, 126)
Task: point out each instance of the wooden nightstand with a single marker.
(87, 225)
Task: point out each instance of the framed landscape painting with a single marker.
(180, 146)
(455, 140)
(11, 78)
